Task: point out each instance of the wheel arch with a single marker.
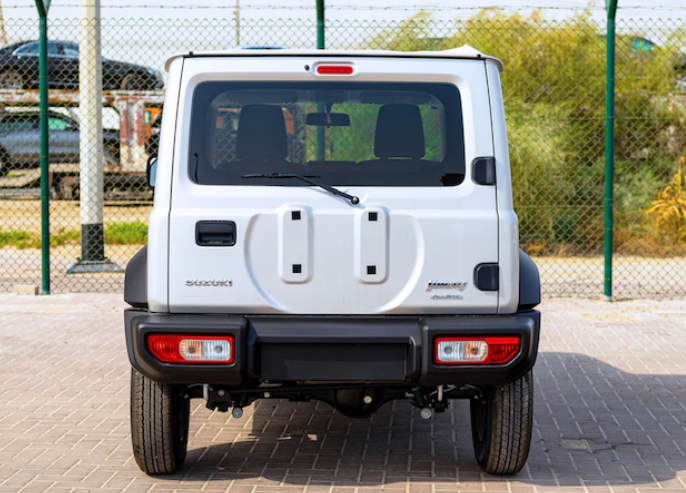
(135, 279)
(529, 283)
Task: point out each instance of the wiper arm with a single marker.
(306, 178)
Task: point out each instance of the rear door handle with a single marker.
(215, 233)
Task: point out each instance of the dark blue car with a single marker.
(19, 68)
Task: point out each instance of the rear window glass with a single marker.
(354, 133)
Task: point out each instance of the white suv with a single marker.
(334, 226)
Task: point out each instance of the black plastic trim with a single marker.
(487, 277)
(136, 279)
(526, 325)
(139, 324)
(330, 331)
(215, 233)
(251, 333)
(483, 170)
(529, 283)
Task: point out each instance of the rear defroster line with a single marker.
(306, 178)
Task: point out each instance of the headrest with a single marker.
(261, 133)
(399, 132)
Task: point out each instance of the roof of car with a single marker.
(463, 52)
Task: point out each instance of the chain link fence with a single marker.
(553, 83)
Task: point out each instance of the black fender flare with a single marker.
(529, 283)
(136, 279)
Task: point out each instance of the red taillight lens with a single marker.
(334, 69)
(180, 348)
(469, 350)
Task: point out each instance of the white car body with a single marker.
(335, 226)
(424, 234)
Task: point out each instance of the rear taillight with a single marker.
(175, 348)
(494, 350)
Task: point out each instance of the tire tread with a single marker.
(153, 434)
(506, 448)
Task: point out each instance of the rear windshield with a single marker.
(353, 133)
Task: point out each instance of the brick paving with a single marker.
(610, 414)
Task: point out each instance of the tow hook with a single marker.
(218, 399)
(428, 405)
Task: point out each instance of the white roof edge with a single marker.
(463, 52)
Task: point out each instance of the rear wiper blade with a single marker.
(306, 178)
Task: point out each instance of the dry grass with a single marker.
(24, 215)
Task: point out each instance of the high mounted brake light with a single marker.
(331, 69)
(179, 348)
(470, 350)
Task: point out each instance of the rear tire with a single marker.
(11, 79)
(502, 420)
(159, 425)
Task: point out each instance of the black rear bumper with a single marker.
(333, 349)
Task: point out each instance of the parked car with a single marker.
(20, 140)
(335, 232)
(19, 68)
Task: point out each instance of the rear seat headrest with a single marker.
(261, 133)
(399, 132)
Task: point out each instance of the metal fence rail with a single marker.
(554, 88)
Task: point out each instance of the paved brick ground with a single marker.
(610, 414)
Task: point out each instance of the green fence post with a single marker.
(43, 6)
(321, 136)
(320, 24)
(611, 7)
